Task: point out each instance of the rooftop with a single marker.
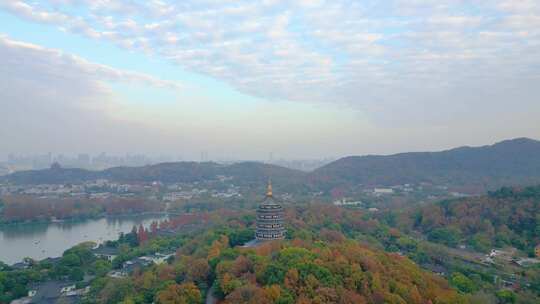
(106, 250)
(49, 292)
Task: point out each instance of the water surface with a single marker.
(42, 240)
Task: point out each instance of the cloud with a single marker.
(25, 10)
(53, 101)
(58, 102)
(400, 61)
(62, 63)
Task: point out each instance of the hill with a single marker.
(313, 266)
(245, 172)
(326, 272)
(506, 217)
(51, 176)
(510, 162)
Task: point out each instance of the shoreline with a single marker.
(80, 219)
(147, 217)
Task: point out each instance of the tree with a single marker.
(273, 293)
(292, 280)
(76, 274)
(506, 296)
(101, 267)
(445, 236)
(240, 237)
(131, 238)
(462, 283)
(70, 260)
(198, 270)
(482, 298)
(128, 300)
(154, 228)
(115, 291)
(218, 246)
(248, 294)
(228, 284)
(142, 235)
(241, 265)
(274, 273)
(480, 242)
(350, 297)
(186, 293)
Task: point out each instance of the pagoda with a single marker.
(270, 219)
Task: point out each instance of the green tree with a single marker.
(274, 274)
(101, 267)
(480, 242)
(462, 283)
(70, 260)
(506, 296)
(76, 274)
(115, 291)
(240, 237)
(447, 236)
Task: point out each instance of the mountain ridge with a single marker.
(164, 172)
(509, 162)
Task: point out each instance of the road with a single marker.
(210, 298)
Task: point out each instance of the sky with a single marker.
(242, 79)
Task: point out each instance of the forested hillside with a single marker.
(245, 172)
(511, 162)
(322, 261)
(341, 271)
(331, 255)
(16, 209)
(506, 217)
(308, 268)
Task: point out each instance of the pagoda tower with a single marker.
(270, 219)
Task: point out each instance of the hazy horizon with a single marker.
(240, 80)
(270, 157)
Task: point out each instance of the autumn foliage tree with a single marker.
(142, 235)
(186, 293)
(506, 217)
(339, 272)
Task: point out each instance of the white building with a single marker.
(383, 190)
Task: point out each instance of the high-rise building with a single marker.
(270, 219)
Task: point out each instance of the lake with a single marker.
(42, 240)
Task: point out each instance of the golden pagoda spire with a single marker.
(269, 189)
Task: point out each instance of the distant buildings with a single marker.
(82, 160)
(383, 191)
(344, 202)
(270, 219)
(130, 266)
(526, 262)
(105, 252)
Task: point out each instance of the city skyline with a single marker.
(103, 161)
(303, 79)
